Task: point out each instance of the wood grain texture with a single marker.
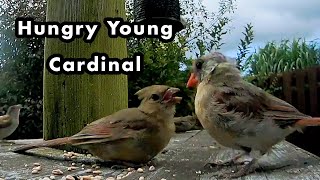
(72, 101)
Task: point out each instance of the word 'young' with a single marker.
(117, 27)
(99, 63)
(68, 31)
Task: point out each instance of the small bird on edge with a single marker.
(10, 121)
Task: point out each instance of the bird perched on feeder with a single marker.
(133, 135)
(238, 114)
(10, 121)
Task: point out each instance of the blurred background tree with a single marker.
(21, 66)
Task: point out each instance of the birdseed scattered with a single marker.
(57, 172)
(141, 178)
(36, 164)
(126, 175)
(38, 168)
(97, 177)
(34, 172)
(130, 169)
(88, 171)
(52, 177)
(110, 178)
(152, 168)
(72, 168)
(96, 172)
(69, 177)
(85, 177)
(140, 170)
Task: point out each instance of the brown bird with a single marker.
(10, 121)
(133, 135)
(238, 114)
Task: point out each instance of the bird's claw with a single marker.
(216, 164)
(245, 170)
(225, 163)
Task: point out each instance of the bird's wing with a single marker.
(238, 99)
(122, 125)
(283, 113)
(5, 121)
(246, 100)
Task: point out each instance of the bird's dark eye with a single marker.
(199, 65)
(155, 97)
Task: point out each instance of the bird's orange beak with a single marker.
(192, 82)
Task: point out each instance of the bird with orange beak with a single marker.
(130, 136)
(238, 114)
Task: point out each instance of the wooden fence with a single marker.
(301, 89)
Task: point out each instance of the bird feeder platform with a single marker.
(184, 158)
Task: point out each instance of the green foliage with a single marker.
(243, 48)
(286, 56)
(264, 65)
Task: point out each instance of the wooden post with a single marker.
(72, 101)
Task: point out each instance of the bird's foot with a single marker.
(245, 170)
(218, 163)
(233, 161)
(237, 174)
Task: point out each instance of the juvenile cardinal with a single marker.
(133, 135)
(10, 121)
(238, 114)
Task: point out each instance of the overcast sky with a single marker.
(272, 20)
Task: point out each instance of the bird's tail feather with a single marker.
(309, 122)
(49, 143)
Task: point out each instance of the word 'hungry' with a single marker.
(99, 63)
(66, 31)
